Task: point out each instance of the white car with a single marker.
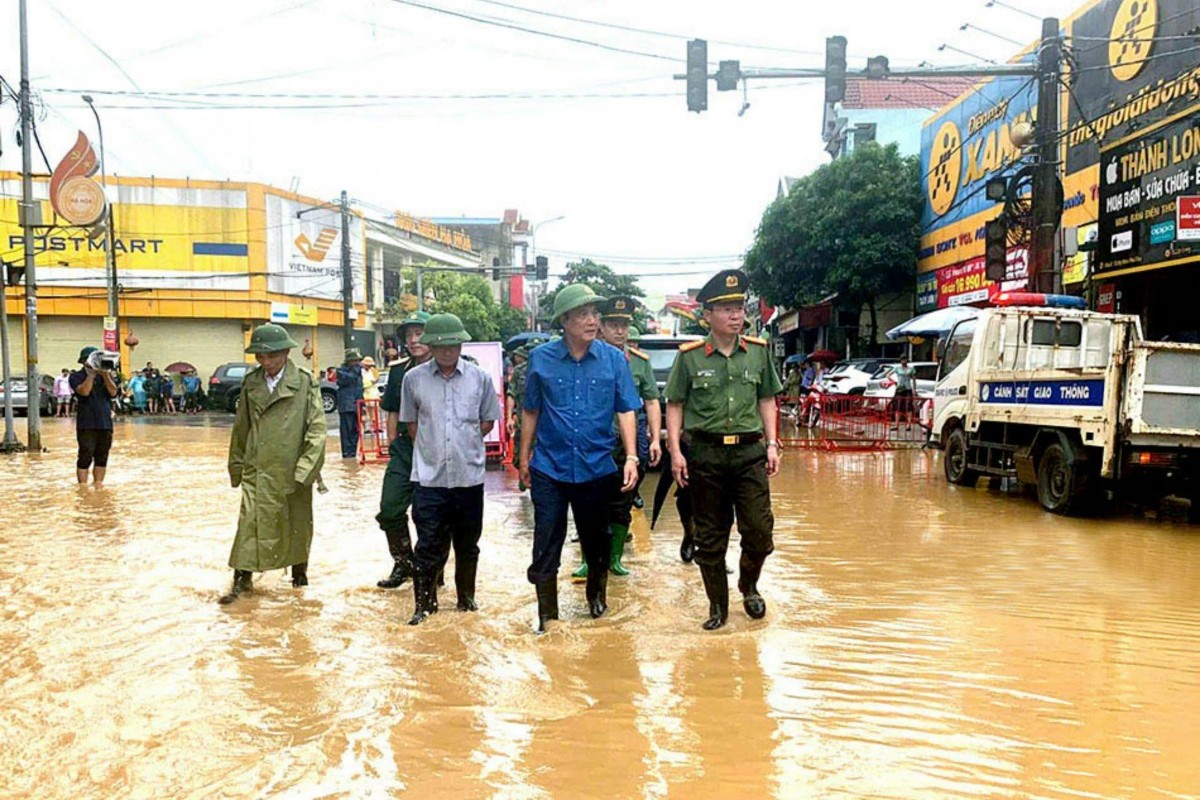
(883, 382)
(852, 377)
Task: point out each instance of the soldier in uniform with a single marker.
(516, 393)
(616, 314)
(397, 479)
(721, 396)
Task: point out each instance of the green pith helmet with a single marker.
(270, 338)
(573, 296)
(634, 335)
(351, 354)
(444, 329)
(415, 318)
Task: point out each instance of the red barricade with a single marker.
(853, 422)
(372, 435)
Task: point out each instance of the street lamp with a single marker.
(533, 246)
(110, 251)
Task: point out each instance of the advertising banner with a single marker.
(165, 238)
(304, 250)
(1147, 196)
(967, 283)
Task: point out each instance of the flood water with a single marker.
(922, 641)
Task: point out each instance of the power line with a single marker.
(1141, 60)
(533, 31)
(645, 31)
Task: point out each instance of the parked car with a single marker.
(883, 383)
(20, 396)
(225, 385)
(853, 375)
(662, 350)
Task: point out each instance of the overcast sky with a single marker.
(644, 185)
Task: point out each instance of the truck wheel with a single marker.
(1057, 480)
(955, 460)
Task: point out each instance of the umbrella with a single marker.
(934, 324)
(523, 337)
(665, 482)
(827, 356)
(794, 358)
(179, 366)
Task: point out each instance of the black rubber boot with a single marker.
(400, 547)
(424, 598)
(300, 574)
(547, 597)
(597, 591)
(749, 570)
(241, 585)
(464, 584)
(441, 580)
(716, 586)
(687, 548)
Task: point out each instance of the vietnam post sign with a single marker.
(1043, 393)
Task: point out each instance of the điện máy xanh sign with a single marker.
(1148, 182)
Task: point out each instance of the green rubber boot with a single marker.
(619, 537)
(580, 575)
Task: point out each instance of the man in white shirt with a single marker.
(449, 405)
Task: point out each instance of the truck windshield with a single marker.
(957, 347)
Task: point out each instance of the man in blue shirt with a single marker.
(574, 387)
(94, 390)
(349, 392)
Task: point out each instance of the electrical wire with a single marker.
(1145, 60)
(1131, 33)
(645, 31)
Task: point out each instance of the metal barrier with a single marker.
(853, 422)
(370, 426)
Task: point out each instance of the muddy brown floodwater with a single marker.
(922, 641)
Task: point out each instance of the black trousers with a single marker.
(726, 480)
(93, 447)
(588, 502)
(348, 433)
(446, 517)
(620, 504)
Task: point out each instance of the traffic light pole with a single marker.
(32, 383)
(1044, 274)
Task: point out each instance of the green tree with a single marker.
(851, 227)
(469, 297)
(603, 280)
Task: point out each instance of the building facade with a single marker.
(199, 265)
(1129, 111)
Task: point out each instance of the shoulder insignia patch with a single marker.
(691, 346)
(755, 340)
(639, 354)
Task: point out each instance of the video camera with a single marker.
(104, 360)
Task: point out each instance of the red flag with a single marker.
(765, 312)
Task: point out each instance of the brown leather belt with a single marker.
(724, 438)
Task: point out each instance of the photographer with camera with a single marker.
(95, 388)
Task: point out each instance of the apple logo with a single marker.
(1110, 174)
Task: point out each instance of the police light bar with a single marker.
(1038, 299)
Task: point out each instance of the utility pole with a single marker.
(347, 277)
(111, 233)
(1045, 274)
(420, 291)
(32, 384)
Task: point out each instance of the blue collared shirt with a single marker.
(576, 401)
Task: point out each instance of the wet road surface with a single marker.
(922, 641)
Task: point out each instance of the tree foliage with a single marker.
(470, 298)
(604, 282)
(851, 227)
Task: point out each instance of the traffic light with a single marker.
(697, 75)
(495, 268)
(543, 268)
(835, 69)
(877, 67)
(728, 73)
(996, 250)
(14, 274)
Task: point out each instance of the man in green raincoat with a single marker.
(275, 455)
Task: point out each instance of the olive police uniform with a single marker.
(397, 478)
(516, 393)
(727, 464)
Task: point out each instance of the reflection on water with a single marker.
(922, 641)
